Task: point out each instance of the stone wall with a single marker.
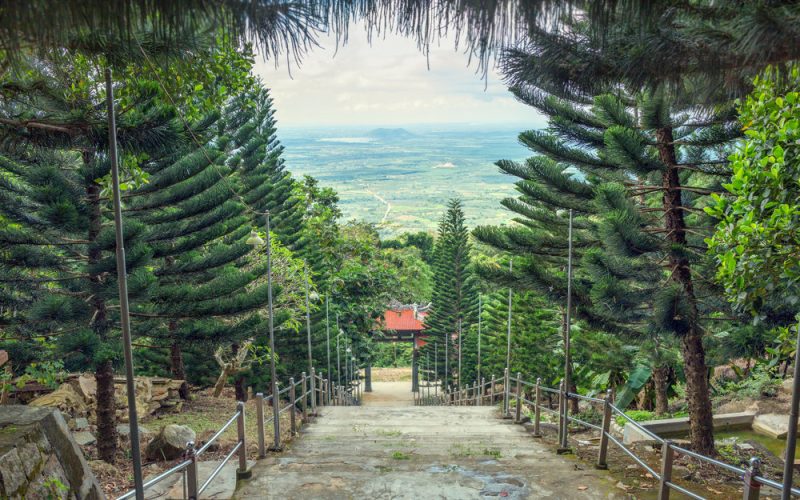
(39, 458)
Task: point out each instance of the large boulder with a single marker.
(85, 385)
(170, 442)
(65, 398)
(773, 425)
(143, 388)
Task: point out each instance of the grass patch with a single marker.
(385, 433)
(494, 453)
(399, 455)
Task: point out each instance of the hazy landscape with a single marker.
(403, 177)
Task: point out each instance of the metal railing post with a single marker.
(666, 470)
(292, 407)
(491, 392)
(483, 390)
(191, 472)
(606, 427)
(262, 450)
(537, 409)
(560, 412)
(305, 394)
(313, 392)
(276, 418)
(506, 393)
(518, 409)
(241, 472)
(476, 394)
(752, 488)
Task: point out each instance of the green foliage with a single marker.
(392, 354)
(454, 304)
(644, 416)
(760, 382)
(757, 242)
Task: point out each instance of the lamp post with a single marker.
(122, 282)
(508, 332)
(791, 438)
(348, 366)
(460, 382)
(338, 358)
(567, 331)
(328, 340)
(256, 241)
(480, 307)
(308, 332)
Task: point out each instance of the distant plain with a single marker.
(402, 178)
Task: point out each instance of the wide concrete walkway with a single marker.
(428, 452)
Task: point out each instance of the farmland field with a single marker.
(402, 178)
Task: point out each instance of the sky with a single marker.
(388, 82)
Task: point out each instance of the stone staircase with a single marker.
(420, 452)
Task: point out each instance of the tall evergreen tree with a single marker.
(455, 292)
(646, 164)
(58, 236)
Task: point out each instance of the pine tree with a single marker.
(454, 301)
(57, 235)
(638, 226)
(204, 293)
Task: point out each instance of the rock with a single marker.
(81, 423)
(65, 399)
(786, 386)
(144, 393)
(170, 442)
(124, 431)
(12, 472)
(774, 425)
(84, 438)
(86, 386)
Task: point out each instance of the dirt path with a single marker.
(389, 394)
(420, 452)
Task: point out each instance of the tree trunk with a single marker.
(238, 382)
(697, 395)
(106, 413)
(104, 372)
(661, 386)
(178, 369)
(221, 380)
(573, 403)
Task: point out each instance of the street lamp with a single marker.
(328, 339)
(567, 321)
(256, 241)
(348, 366)
(308, 336)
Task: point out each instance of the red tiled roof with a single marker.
(403, 319)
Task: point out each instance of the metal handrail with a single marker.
(639, 427)
(634, 457)
(219, 467)
(752, 474)
(178, 468)
(218, 433)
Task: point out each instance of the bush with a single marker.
(759, 383)
(644, 415)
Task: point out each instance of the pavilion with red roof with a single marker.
(402, 323)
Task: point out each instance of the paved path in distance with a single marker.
(388, 449)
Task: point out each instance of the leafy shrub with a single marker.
(644, 415)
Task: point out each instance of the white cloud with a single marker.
(386, 83)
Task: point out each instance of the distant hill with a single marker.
(390, 133)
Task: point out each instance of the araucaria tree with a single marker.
(635, 169)
(57, 235)
(455, 293)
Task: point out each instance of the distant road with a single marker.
(379, 198)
